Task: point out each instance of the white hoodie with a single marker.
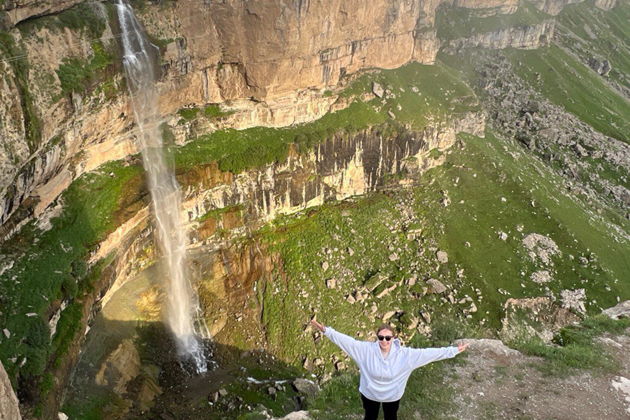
(383, 379)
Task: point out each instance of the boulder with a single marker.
(486, 345)
(442, 257)
(9, 406)
(539, 316)
(436, 286)
(378, 90)
(306, 387)
(574, 300)
(621, 310)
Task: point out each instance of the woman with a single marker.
(385, 366)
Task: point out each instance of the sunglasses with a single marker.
(384, 337)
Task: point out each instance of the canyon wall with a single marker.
(9, 407)
(274, 63)
(339, 168)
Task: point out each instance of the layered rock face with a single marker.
(9, 408)
(19, 10)
(526, 37)
(271, 60)
(338, 168)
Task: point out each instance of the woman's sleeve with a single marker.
(421, 357)
(346, 343)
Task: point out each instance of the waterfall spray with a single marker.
(140, 69)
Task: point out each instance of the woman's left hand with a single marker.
(462, 346)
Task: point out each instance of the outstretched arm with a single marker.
(346, 343)
(421, 357)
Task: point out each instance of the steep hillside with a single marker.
(459, 169)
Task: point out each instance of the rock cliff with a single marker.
(9, 408)
(65, 110)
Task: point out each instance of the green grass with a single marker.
(455, 22)
(487, 170)
(610, 34)
(32, 124)
(440, 95)
(44, 260)
(565, 81)
(77, 75)
(81, 18)
(574, 347)
(340, 397)
(236, 151)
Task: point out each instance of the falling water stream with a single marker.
(141, 72)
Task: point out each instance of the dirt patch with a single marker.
(489, 386)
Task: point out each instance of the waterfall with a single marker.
(139, 61)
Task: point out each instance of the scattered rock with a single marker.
(442, 257)
(394, 257)
(541, 277)
(306, 387)
(436, 286)
(388, 315)
(574, 299)
(539, 316)
(296, 415)
(622, 385)
(223, 392)
(622, 310)
(541, 248)
(426, 316)
(378, 90)
(486, 345)
(9, 405)
(503, 236)
(325, 265)
(391, 115)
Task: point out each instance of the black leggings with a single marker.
(372, 407)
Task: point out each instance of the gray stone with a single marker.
(486, 345)
(622, 310)
(442, 257)
(9, 406)
(306, 387)
(436, 286)
(378, 90)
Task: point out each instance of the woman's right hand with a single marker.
(317, 325)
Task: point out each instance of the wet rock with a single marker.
(120, 367)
